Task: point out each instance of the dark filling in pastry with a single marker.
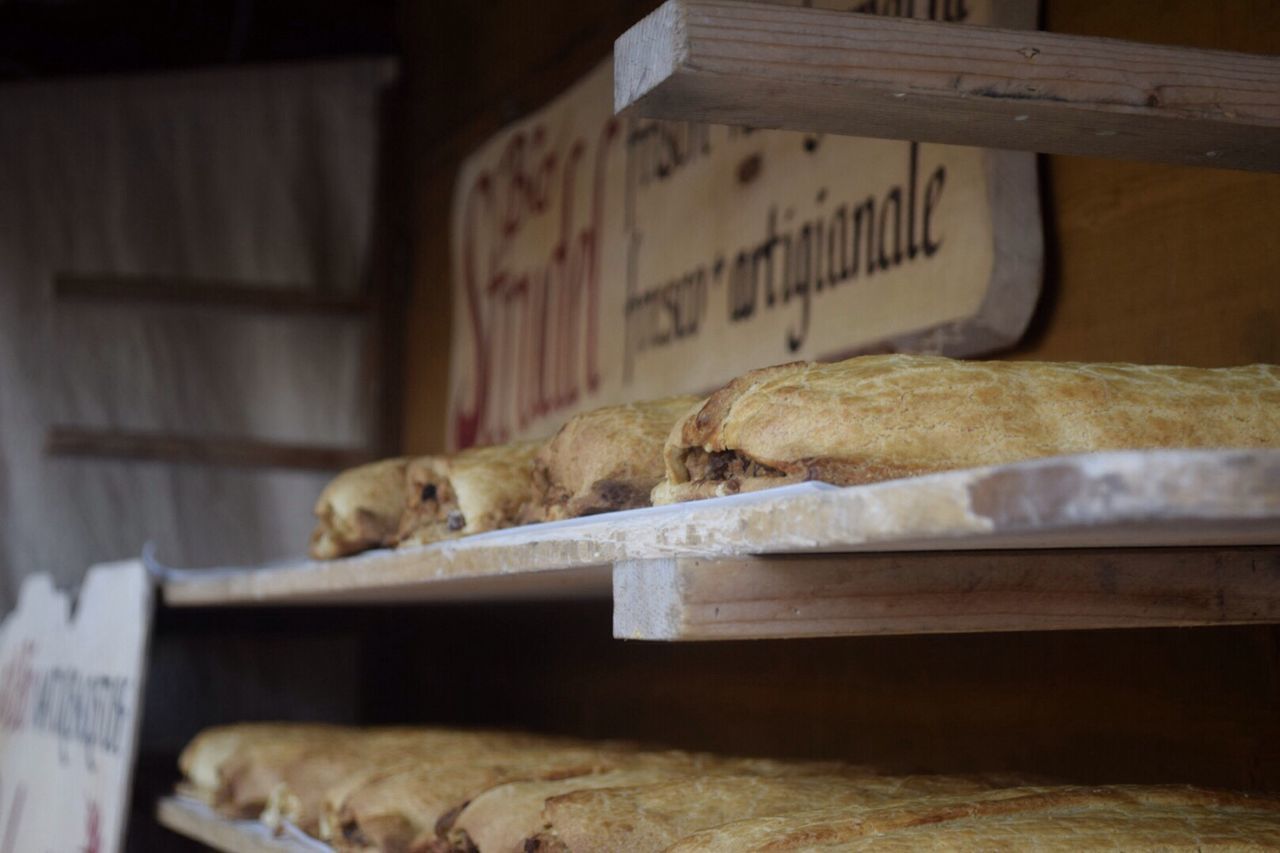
(436, 506)
(725, 465)
(553, 500)
(354, 834)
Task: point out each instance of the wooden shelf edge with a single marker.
(796, 68)
(944, 593)
(72, 441)
(199, 823)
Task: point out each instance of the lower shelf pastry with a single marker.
(1116, 817)
(435, 790)
(653, 817)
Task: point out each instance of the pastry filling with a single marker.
(434, 505)
(725, 466)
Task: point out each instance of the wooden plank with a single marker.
(198, 822)
(738, 62)
(738, 598)
(198, 450)
(198, 293)
(1105, 500)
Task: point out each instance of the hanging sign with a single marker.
(70, 688)
(600, 259)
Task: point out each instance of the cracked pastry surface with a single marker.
(882, 417)
(653, 817)
(604, 460)
(1112, 817)
(471, 491)
(359, 509)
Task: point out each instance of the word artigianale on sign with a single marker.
(795, 262)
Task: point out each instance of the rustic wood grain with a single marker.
(203, 294)
(737, 62)
(689, 598)
(198, 450)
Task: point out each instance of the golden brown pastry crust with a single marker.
(604, 460)
(652, 817)
(414, 806)
(359, 509)
(1142, 818)
(221, 764)
(502, 818)
(404, 789)
(879, 417)
(474, 490)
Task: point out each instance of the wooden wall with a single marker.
(1146, 263)
(1160, 263)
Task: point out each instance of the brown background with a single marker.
(1145, 264)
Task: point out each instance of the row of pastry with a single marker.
(858, 421)
(450, 791)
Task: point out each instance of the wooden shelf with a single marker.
(1072, 542)
(738, 62)
(199, 450)
(200, 823)
(690, 598)
(204, 294)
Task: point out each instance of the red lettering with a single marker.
(15, 687)
(534, 330)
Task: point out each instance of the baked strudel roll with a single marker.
(334, 772)
(886, 416)
(359, 509)
(471, 491)
(1066, 819)
(413, 807)
(604, 460)
(223, 765)
(502, 817)
(653, 817)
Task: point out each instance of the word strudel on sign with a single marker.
(70, 686)
(599, 259)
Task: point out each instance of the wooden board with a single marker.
(197, 821)
(1125, 499)
(690, 598)
(129, 291)
(744, 63)
(100, 443)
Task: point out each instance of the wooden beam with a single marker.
(685, 598)
(198, 293)
(736, 62)
(199, 450)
